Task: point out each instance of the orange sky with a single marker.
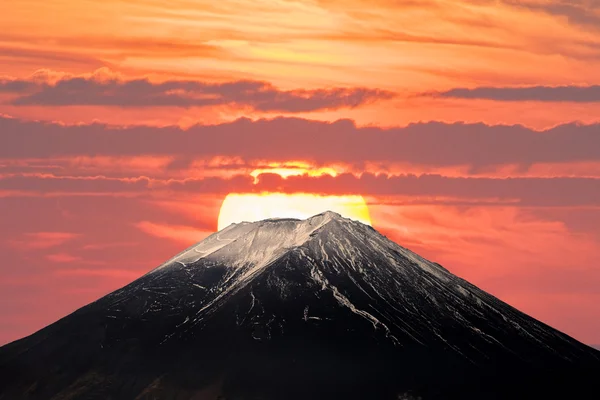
(408, 47)
(471, 127)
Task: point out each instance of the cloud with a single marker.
(42, 240)
(185, 234)
(427, 188)
(24, 55)
(68, 258)
(118, 92)
(283, 139)
(117, 46)
(63, 258)
(383, 35)
(575, 94)
(585, 13)
(87, 184)
(107, 273)
(523, 191)
(105, 246)
(48, 183)
(577, 12)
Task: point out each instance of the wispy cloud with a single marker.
(42, 240)
(576, 94)
(100, 272)
(577, 12)
(524, 191)
(184, 234)
(57, 57)
(63, 258)
(69, 258)
(106, 246)
(556, 192)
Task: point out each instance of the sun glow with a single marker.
(293, 168)
(255, 207)
(286, 172)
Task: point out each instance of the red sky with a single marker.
(471, 127)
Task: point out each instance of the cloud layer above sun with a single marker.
(470, 128)
(98, 90)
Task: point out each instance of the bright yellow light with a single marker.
(255, 207)
(285, 172)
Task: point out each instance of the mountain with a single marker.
(323, 308)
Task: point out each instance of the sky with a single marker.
(470, 127)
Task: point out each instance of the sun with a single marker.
(255, 207)
(239, 207)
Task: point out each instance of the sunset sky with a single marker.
(471, 128)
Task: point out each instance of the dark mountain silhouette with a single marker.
(323, 308)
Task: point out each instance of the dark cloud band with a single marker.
(284, 139)
(538, 192)
(260, 96)
(574, 94)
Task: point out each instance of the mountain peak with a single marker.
(256, 242)
(328, 214)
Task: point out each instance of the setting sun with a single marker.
(255, 207)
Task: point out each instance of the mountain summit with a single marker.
(322, 308)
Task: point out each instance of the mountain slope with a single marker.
(289, 309)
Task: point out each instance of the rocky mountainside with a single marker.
(323, 308)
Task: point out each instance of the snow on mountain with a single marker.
(255, 242)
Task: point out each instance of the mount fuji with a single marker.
(322, 308)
